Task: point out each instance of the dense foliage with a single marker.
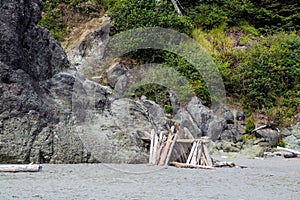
(268, 16)
(59, 16)
(255, 44)
(144, 13)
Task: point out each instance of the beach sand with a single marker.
(272, 178)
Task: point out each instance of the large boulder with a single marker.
(291, 137)
(209, 123)
(270, 135)
(186, 120)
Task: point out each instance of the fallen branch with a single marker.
(20, 168)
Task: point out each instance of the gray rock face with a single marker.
(155, 112)
(29, 55)
(50, 116)
(30, 123)
(25, 45)
(185, 120)
(228, 116)
(272, 136)
(209, 124)
(291, 137)
(114, 73)
(89, 50)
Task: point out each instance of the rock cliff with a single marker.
(42, 117)
(30, 119)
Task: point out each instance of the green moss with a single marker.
(247, 28)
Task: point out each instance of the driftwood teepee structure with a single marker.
(179, 148)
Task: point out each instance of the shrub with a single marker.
(250, 126)
(271, 70)
(61, 15)
(129, 14)
(265, 15)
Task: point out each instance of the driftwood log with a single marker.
(280, 153)
(224, 164)
(289, 150)
(170, 150)
(289, 153)
(184, 165)
(20, 168)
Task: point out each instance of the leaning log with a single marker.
(188, 161)
(164, 153)
(20, 168)
(170, 150)
(151, 160)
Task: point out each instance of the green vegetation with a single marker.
(250, 126)
(255, 44)
(247, 136)
(281, 143)
(268, 16)
(154, 92)
(59, 16)
(131, 14)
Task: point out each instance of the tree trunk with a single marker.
(177, 6)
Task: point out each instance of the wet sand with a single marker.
(273, 178)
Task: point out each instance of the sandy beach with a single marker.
(272, 178)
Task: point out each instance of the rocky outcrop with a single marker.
(87, 49)
(27, 46)
(32, 125)
(291, 137)
(48, 112)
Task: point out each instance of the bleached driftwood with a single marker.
(207, 156)
(191, 153)
(174, 146)
(171, 150)
(280, 153)
(165, 149)
(224, 164)
(184, 165)
(289, 150)
(151, 161)
(20, 168)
